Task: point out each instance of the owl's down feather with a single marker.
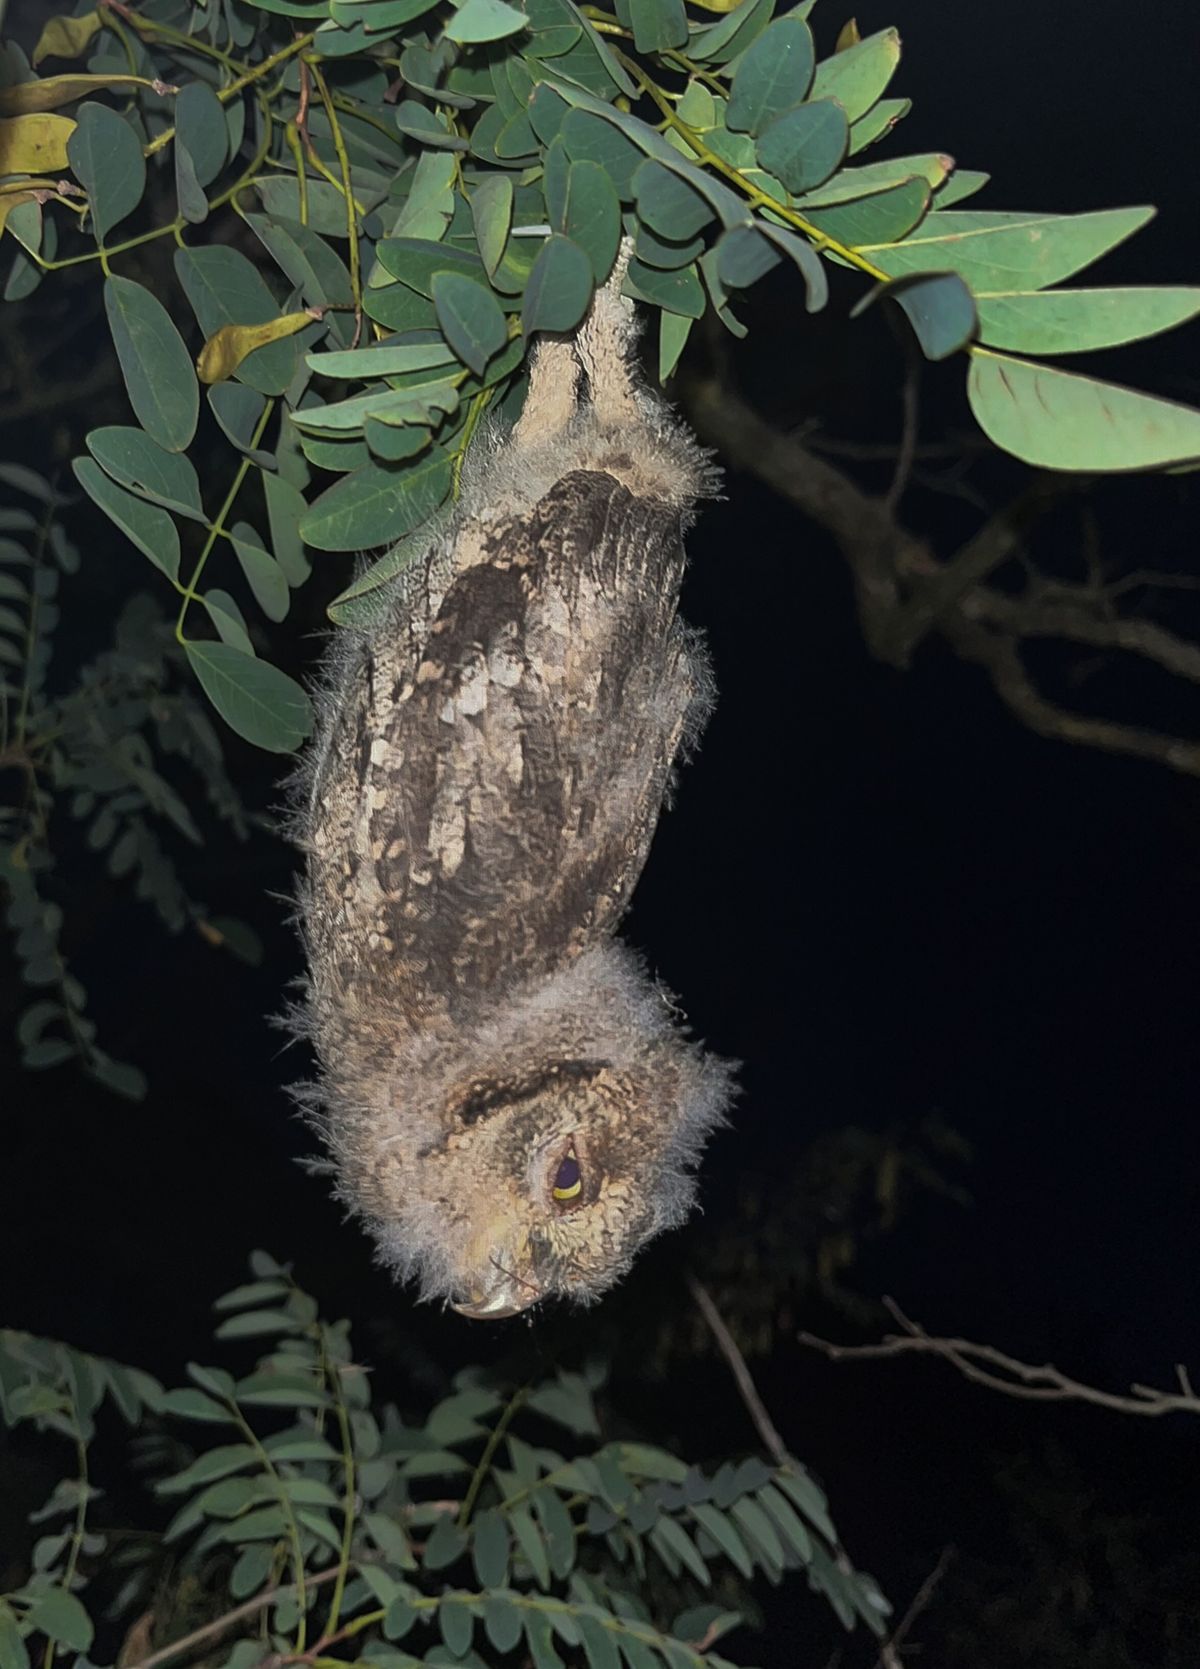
(507, 1097)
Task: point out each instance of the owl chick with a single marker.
(507, 1098)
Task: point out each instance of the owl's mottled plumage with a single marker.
(494, 755)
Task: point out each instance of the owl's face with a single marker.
(554, 1184)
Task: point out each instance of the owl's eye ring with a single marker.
(568, 1179)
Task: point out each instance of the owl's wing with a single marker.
(500, 794)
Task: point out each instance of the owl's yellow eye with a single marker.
(568, 1180)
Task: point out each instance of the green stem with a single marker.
(334, 1380)
(339, 145)
(485, 1459)
(218, 526)
(293, 1529)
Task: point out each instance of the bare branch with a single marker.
(984, 1365)
(220, 1625)
(764, 1425)
(889, 1652)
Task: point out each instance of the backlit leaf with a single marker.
(857, 77)
(994, 253)
(35, 144)
(225, 350)
(1076, 321)
(53, 91)
(1059, 420)
(66, 37)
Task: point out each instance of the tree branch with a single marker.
(755, 1407)
(984, 1365)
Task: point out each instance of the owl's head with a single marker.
(533, 1156)
(554, 1181)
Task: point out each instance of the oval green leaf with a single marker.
(256, 700)
(773, 75)
(1076, 321)
(470, 318)
(857, 77)
(559, 287)
(147, 527)
(139, 463)
(200, 125)
(997, 252)
(106, 158)
(376, 504)
(658, 25)
(667, 204)
(803, 147)
(159, 377)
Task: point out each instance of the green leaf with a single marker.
(489, 1550)
(861, 182)
(568, 1402)
(470, 318)
(146, 526)
(194, 1405)
(786, 1521)
(744, 255)
(773, 75)
(484, 20)
(540, 1634)
(963, 183)
(491, 214)
(106, 158)
(667, 203)
(426, 126)
(877, 123)
(857, 77)
(658, 25)
(285, 506)
(227, 617)
(267, 581)
(258, 701)
(159, 376)
(255, 1324)
(591, 216)
(940, 308)
(1060, 420)
(417, 261)
(60, 1616)
(723, 41)
(376, 504)
(224, 288)
(1077, 321)
(559, 287)
(882, 217)
(1000, 254)
(200, 126)
(759, 1532)
(558, 1530)
(356, 604)
(673, 331)
(430, 203)
(502, 1621)
(670, 1533)
(589, 138)
(456, 1623)
(13, 1652)
(678, 292)
(599, 1641)
(446, 1544)
(644, 1461)
(804, 146)
(810, 1500)
(811, 266)
(423, 351)
(140, 464)
(723, 1535)
(529, 1541)
(217, 1463)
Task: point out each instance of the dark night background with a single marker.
(877, 890)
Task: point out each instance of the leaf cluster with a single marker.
(339, 1531)
(422, 187)
(102, 763)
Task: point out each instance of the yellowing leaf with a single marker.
(66, 37)
(34, 144)
(718, 5)
(55, 90)
(848, 35)
(224, 351)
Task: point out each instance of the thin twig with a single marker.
(219, 1625)
(755, 1407)
(889, 1652)
(984, 1365)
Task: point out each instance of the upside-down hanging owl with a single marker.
(508, 1098)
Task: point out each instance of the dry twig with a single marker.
(984, 1365)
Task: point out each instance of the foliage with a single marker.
(330, 1526)
(103, 753)
(421, 187)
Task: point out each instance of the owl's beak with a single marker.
(506, 1297)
